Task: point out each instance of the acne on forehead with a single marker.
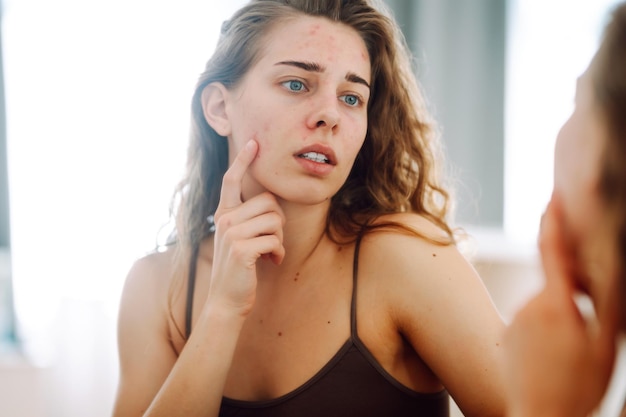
(307, 31)
(314, 29)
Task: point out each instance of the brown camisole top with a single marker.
(352, 383)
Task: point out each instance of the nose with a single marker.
(325, 113)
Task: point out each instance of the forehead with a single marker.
(316, 39)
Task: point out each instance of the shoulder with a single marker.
(414, 268)
(417, 223)
(152, 272)
(147, 288)
(422, 240)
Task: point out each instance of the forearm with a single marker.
(195, 385)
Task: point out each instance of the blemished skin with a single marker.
(274, 286)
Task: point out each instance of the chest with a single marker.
(291, 334)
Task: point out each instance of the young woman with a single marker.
(560, 362)
(313, 271)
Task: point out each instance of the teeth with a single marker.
(314, 156)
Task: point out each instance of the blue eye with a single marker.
(294, 85)
(351, 100)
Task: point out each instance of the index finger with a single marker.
(555, 257)
(230, 195)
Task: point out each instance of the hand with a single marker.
(244, 231)
(558, 363)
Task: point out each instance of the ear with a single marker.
(214, 97)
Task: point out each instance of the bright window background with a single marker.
(98, 108)
(550, 43)
(98, 99)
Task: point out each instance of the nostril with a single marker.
(320, 123)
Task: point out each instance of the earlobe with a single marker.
(214, 98)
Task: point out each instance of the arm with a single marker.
(154, 381)
(440, 305)
(558, 364)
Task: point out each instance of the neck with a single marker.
(303, 232)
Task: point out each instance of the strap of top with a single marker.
(355, 273)
(191, 286)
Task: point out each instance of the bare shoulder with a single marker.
(151, 274)
(145, 297)
(429, 243)
(417, 271)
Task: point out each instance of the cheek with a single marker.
(263, 137)
(569, 166)
(562, 159)
(357, 143)
(560, 175)
(575, 183)
(566, 179)
(249, 125)
(358, 130)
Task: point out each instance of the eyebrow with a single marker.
(315, 67)
(352, 77)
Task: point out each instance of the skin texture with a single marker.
(577, 160)
(272, 298)
(559, 361)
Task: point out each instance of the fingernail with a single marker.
(250, 145)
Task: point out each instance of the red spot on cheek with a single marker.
(255, 137)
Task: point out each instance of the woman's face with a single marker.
(578, 159)
(305, 103)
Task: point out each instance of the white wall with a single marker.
(98, 102)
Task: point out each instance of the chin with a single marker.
(305, 194)
(308, 200)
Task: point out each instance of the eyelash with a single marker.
(288, 84)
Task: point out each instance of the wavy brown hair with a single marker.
(394, 171)
(609, 83)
